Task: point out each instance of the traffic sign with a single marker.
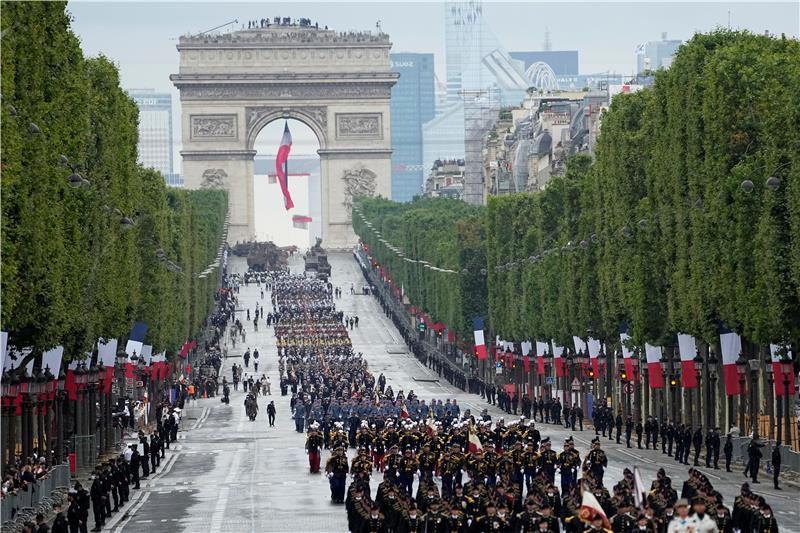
(576, 385)
(549, 380)
(498, 367)
(627, 388)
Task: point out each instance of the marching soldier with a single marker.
(528, 520)
(337, 469)
(546, 516)
(314, 442)
(596, 460)
(624, 521)
(548, 460)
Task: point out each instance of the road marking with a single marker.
(708, 474)
(131, 512)
(629, 454)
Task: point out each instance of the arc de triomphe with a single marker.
(232, 85)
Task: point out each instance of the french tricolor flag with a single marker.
(775, 353)
(134, 345)
(526, 360)
(480, 342)
(107, 354)
(541, 351)
(627, 356)
(594, 353)
(558, 351)
(731, 347)
(687, 347)
(282, 165)
(653, 354)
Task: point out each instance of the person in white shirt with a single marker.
(699, 522)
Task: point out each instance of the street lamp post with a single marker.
(566, 363)
(103, 401)
(642, 399)
(548, 365)
(754, 409)
(711, 390)
(49, 396)
(604, 379)
(698, 368)
(38, 388)
(741, 370)
(26, 427)
(770, 403)
(11, 393)
(60, 393)
(787, 370)
(581, 360)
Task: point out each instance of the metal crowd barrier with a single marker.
(86, 451)
(790, 459)
(40, 497)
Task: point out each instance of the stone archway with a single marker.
(338, 84)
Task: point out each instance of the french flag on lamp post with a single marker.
(775, 353)
(627, 356)
(107, 354)
(653, 354)
(541, 351)
(593, 345)
(282, 166)
(731, 346)
(526, 360)
(687, 347)
(480, 342)
(558, 351)
(134, 345)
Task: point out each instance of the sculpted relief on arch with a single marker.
(358, 181)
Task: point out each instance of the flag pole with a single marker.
(286, 163)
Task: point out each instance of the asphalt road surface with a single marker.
(230, 474)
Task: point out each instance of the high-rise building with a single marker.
(655, 55)
(413, 104)
(155, 132)
(481, 76)
(475, 59)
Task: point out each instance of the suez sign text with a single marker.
(402, 64)
(150, 101)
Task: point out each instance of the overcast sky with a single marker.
(141, 36)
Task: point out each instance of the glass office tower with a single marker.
(412, 105)
(155, 132)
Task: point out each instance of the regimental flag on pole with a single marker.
(653, 354)
(640, 491)
(134, 345)
(480, 342)
(775, 353)
(627, 357)
(474, 443)
(526, 360)
(593, 346)
(687, 347)
(558, 351)
(282, 166)
(731, 347)
(591, 508)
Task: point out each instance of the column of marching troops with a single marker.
(471, 474)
